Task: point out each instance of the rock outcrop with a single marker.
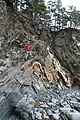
(3, 19)
(27, 94)
(20, 28)
(66, 48)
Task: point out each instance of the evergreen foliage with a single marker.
(55, 16)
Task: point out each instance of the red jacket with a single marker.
(27, 47)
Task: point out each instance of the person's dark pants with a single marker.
(27, 55)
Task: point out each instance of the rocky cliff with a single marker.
(18, 28)
(22, 28)
(27, 94)
(66, 47)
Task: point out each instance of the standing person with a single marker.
(27, 49)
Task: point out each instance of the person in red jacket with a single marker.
(27, 49)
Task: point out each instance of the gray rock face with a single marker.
(71, 113)
(3, 18)
(66, 48)
(20, 99)
(23, 95)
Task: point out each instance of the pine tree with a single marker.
(58, 11)
(64, 19)
(70, 17)
(75, 16)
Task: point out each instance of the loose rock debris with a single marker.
(24, 95)
(50, 74)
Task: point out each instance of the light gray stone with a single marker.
(72, 114)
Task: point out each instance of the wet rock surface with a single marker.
(25, 96)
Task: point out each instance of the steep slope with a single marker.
(22, 28)
(25, 95)
(66, 47)
(18, 28)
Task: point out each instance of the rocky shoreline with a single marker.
(22, 99)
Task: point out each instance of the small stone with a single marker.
(50, 103)
(38, 115)
(45, 116)
(44, 106)
(56, 116)
(71, 113)
(2, 68)
(54, 100)
(49, 112)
